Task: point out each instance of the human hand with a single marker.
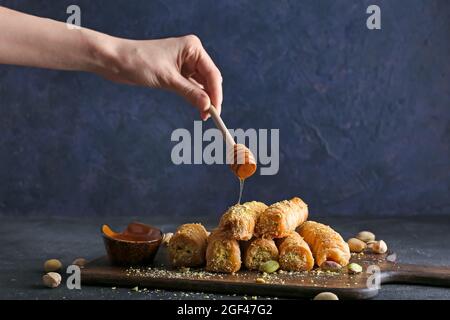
(178, 64)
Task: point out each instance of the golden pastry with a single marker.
(280, 218)
(187, 246)
(239, 220)
(222, 254)
(295, 254)
(325, 243)
(258, 251)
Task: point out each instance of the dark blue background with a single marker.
(364, 115)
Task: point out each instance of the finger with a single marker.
(205, 115)
(197, 80)
(192, 93)
(208, 71)
(200, 81)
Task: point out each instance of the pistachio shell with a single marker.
(81, 262)
(51, 279)
(379, 247)
(365, 236)
(326, 296)
(356, 245)
(330, 266)
(52, 265)
(166, 238)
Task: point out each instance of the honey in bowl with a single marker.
(136, 245)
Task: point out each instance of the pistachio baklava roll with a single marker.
(295, 254)
(257, 251)
(325, 243)
(187, 246)
(222, 254)
(280, 218)
(239, 220)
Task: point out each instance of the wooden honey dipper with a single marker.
(241, 159)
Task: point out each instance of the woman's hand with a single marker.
(178, 64)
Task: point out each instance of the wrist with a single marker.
(104, 53)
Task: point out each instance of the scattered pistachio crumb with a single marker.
(260, 280)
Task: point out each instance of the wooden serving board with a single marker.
(292, 285)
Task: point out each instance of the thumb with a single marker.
(192, 93)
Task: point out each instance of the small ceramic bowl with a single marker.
(131, 251)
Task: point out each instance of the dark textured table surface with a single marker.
(28, 241)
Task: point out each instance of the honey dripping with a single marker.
(243, 166)
(241, 189)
